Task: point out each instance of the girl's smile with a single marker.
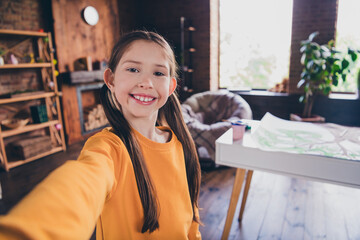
(143, 98)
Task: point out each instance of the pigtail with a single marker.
(171, 114)
(145, 187)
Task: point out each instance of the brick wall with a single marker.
(21, 15)
(310, 16)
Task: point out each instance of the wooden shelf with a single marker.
(52, 101)
(23, 33)
(28, 128)
(25, 65)
(12, 164)
(27, 98)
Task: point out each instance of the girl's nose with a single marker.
(145, 82)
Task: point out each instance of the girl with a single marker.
(139, 179)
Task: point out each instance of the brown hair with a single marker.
(169, 115)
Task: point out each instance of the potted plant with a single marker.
(324, 67)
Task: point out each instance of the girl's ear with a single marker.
(173, 85)
(109, 78)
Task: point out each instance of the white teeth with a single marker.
(143, 99)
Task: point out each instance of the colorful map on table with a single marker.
(331, 140)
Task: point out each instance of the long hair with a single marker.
(168, 115)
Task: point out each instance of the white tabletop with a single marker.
(245, 154)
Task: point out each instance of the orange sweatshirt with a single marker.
(100, 186)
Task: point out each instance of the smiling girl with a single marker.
(138, 179)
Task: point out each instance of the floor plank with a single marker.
(295, 210)
(315, 212)
(335, 212)
(254, 214)
(272, 228)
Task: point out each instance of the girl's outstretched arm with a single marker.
(68, 202)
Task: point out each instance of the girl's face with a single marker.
(141, 81)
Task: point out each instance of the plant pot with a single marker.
(313, 118)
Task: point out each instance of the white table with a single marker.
(245, 156)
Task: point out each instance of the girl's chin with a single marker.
(143, 114)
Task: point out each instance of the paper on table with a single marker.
(276, 134)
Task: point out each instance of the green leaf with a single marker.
(304, 42)
(303, 48)
(326, 90)
(302, 60)
(353, 56)
(301, 98)
(336, 67)
(330, 60)
(313, 35)
(343, 76)
(300, 83)
(345, 63)
(304, 74)
(335, 81)
(324, 48)
(314, 46)
(316, 53)
(326, 54)
(310, 64)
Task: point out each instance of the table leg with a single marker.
(239, 179)
(245, 194)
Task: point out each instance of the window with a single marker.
(255, 38)
(348, 35)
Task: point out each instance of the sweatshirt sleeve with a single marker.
(194, 233)
(67, 204)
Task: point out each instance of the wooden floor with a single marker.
(278, 207)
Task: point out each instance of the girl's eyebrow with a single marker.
(132, 61)
(137, 62)
(162, 66)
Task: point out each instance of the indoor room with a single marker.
(254, 106)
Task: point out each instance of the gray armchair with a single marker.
(203, 114)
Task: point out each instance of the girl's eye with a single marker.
(159, 74)
(132, 70)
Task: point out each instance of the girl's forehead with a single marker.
(145, 51)
(144, 46)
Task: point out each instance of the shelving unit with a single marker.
(187, 51)
(50, 96)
